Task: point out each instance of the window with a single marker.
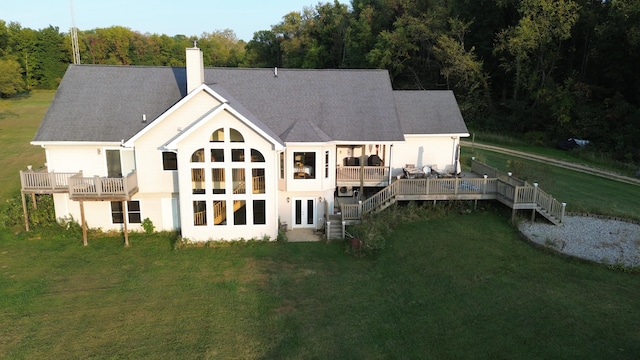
(237, 155)
(259, 212)
(326, 164)
(217, 155)
(256, 156)
(257, 177)
(199, 213)
(237, 176)
(239, 212)
(235, 136)
(220, 212)
(197, 181)
(217, 136)
(282, 165)
(218, 181)
(169, 160)
(198, 156)
(133, 211)
(304, 164)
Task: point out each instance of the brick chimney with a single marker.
(195, 68)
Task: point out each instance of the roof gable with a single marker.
(173, 143)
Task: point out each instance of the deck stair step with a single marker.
(542, 211)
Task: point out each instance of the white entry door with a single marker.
(304, 213)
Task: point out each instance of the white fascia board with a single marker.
(172, 109)
(76, 143)
(437, 135)
(369, 142)
(173, 144)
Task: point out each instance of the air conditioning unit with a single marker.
(345, 191)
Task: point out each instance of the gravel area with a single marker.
(602, 240)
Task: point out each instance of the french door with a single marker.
(304, 213)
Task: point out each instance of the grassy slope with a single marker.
(451, 287)
(582, 192)
(19, 120)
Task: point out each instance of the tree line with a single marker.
(542, 69)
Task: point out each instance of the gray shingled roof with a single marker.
(429, 112)
(106, 103)
(344, 105)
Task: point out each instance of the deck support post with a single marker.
(84, 224)
(124, 223)
(33, 202)
(25, 212)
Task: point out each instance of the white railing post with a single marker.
(359, 209)
(484, 184)
(97, 184)
(535, 192)
(344, 229)
(564, 206)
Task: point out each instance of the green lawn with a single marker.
(582, 192)
(19, 120)
(459, 286)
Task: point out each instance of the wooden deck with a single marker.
(79, 187)
(506, 189)
(362, 175)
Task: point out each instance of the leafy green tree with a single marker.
(263, 50)
(52, 56)
(532, 48)
(11, 81)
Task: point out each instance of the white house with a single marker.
(229, 153)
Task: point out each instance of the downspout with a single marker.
(390, 158)
(362, 171)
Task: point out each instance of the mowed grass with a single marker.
(457, 286)
(581, 191)
(19, 121)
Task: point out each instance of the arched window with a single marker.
(256, 156)
(198, 156)
(235, 136)
(217, 136)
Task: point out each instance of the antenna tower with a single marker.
(74, 36)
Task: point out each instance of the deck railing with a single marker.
(375, 174)
(102, 187)
(45, 181)
(455, 188)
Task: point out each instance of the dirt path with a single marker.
(556, 162)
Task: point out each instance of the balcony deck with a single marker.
(78, 187)
(370, 175)
(492, 185)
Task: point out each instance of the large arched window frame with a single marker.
(229, 182)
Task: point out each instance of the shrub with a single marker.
(148, 226)
(12, 215)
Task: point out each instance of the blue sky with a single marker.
(170, 17)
